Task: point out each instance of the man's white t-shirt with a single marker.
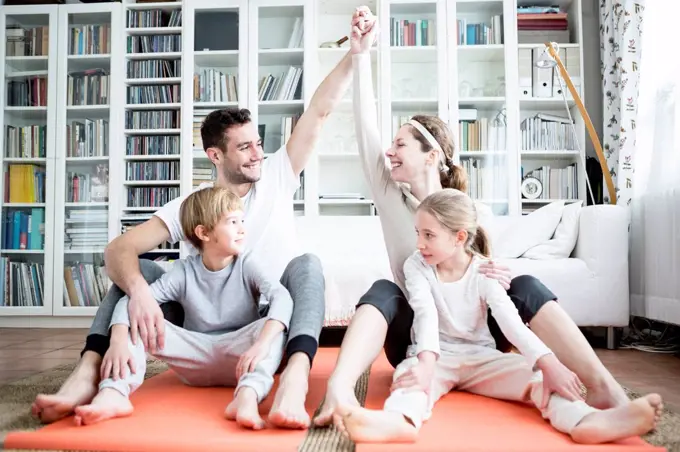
(269, 218)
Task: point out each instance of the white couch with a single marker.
(590, 279)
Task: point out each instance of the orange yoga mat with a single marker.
(467, 422)
(170, 416)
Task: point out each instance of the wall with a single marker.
(591, 61)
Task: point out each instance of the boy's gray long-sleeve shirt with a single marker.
(217, 302)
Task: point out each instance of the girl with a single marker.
(453, 347)
(421, 164)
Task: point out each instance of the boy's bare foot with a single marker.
(607, 395)
(636, 418)
(244, 409)
(108, 404)
(373, 426)
(336, 396)
(78, 389)
(288, 409)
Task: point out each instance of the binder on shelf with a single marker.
(525, 64)
(558, 81)
(542, 77)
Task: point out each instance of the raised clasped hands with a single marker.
(364, 30)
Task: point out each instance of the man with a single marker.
(266, 187)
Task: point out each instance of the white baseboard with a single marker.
(45, 322)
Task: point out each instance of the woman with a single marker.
(421, 158)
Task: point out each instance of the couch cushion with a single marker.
(563, 242)
(528, 231)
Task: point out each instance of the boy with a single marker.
(225, 340)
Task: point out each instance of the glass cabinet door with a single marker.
(27, 147)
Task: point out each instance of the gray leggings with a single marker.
(303, 277)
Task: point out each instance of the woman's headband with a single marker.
(430, 139)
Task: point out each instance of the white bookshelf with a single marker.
(239, 43)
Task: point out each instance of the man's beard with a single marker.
(238, 177)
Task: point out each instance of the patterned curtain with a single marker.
(620, 39)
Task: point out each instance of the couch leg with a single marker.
(611, 338)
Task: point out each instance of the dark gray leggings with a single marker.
(527, 293)
(303, 277)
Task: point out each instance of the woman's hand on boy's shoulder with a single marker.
(499, 272)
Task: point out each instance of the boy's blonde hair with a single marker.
(456, 211)
(206, 208)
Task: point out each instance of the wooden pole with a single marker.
(589, 125)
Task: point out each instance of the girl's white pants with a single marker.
(488, 372)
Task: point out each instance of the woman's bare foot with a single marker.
(244, 409)
(373, 426)
(288, 409)
(336, 396)
(636, 418)
(108, 404)
(79, 388)
(607, 395)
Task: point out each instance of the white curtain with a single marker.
(655, 206)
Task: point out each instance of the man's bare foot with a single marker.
(336, 396)
(108, 404)
(636, 418)
(607, 395)
(376, 426)
(244, 409)
(78, 389)
(288, 409)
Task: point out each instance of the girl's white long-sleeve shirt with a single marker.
(454, 315)
(394, 202)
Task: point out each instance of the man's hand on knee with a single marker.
(146, 319)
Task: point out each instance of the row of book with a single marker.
(483, 134)
(29, 92)
(211, 85)
(23, 229)
(154, 68)
(85, 284)
(547, 132)
(151, 196)
(155, 170)
(480, 33)
(87, 138)
(487, 179)
(287, 86)
(22, 284)
(89, 39)
(419, 32)
(24, 183)
(88, 186)
(86, 229)
(26, 142)
(152, 145)
(28, 41)
(154, 119)
(154, 44)
(153, 94)
(89, 87)
(154, 18)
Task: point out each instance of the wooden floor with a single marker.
(27, 351)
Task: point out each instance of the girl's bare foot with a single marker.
(636, 418)
(78, 389)
(244, 409)
(108, 404)
(373, 426)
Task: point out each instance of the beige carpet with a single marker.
(16, 399)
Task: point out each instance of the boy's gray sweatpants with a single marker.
(303, 277)
(206, 360)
